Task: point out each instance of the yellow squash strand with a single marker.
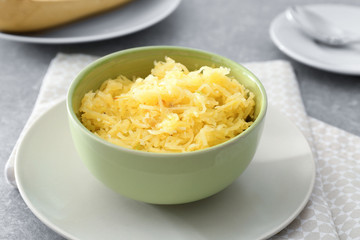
(171, 110)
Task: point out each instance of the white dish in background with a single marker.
(61, 192)
(295, 44)
(132, 17)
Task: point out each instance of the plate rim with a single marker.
(93, 38)
(68, 235)
(280, 18)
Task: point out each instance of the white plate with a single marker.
(130, 18)
(62, 193)
(295, 44)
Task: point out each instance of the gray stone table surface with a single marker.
(236, 29)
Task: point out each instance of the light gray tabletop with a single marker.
(236, 29)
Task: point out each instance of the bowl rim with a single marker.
(103, 60)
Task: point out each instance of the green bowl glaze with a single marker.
(162, 178)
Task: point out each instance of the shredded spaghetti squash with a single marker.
(171, 110)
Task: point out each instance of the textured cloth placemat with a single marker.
(333, 211)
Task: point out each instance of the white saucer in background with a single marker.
(132, 17)
(295, 44)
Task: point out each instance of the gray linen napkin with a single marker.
(333, 211)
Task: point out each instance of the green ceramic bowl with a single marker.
(162, 178)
